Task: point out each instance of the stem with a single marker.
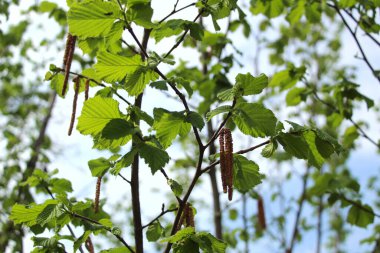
(174, 11)
(215, 190)
(163, 212)
(135, 184)
(357, 43)
(299, 211)
(319, 226)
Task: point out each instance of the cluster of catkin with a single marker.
(187, 218)
(67, 60)
(226, 161)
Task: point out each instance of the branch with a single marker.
(98, 83)
(182, 37)
(298, 215)
(163, 212)
(333, 108)
(124, 178)
(216, 133)
(174, 11)
(84, 218)
(352, 202)
(243, 151)
(357, 42)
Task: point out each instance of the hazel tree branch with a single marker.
(84, 218)
(163, 212)
(332, 107)
(357, 42)
(174, 11)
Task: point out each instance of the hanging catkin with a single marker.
(226, 161)
(67, 59)
(97, 194)
(76, 91)
(86, 89)
(261, 213)
(222, 161)
(189, 215)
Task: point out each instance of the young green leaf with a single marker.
(251, 85)
(97, 112)
(154, 156)
(92, 18)
(99, 166)
(254, 119)
(360, 215)
(195, 119)
(168, 125)
(154, 232)
(246, 174)
(176, 187)
(219, 110)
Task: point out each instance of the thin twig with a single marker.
(181, 38)
(124, 178)
(99, 84)
(174, 11)
(106, 228)
(357, 43)
(299, 211)
(361, 131)
(243, 151)
(216, 133)
(163, 212)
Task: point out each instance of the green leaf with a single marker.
(218, 110)
(99, 166)
(360, 215)
(269, 149)
(97, 112)
(294, 96)
(92, 19)
(117, 250)
(50, 213)
(60, 185)
(176, 187)
(254, 119)
(124, 162)
(28, 214)
(137, 81)
(309, 144)
(288, 77)
(346, 3)
(115, 68)
(227, 95)
(154, 232)
(168, 125)
(159, 85)
(56, 84)
(180, 235)
(208, 243)
(251, 85)
(154, 156)
(195, 119)
(296, 12)
(81, 240)
(246, 173)
(233, 214)
(141, 14)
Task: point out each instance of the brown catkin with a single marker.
(76, 91)
(86, 89)
(67, 59)
(189, 215)
(97, 194)
(222, 160)
(89, 245)
(229, 161)
(261, 213)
